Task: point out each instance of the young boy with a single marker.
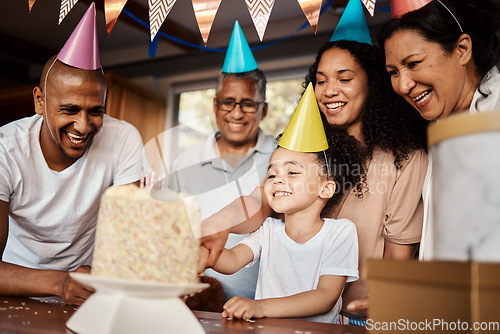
(305, 260)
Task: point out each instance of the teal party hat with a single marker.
(352, 25)
(239, 57)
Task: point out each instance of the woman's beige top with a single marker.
(391, 209)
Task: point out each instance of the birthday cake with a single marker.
(142, 238)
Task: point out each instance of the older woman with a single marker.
(442, 59)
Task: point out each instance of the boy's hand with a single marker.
(243, 308)
(215, 244)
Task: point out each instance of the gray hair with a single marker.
(256, 76)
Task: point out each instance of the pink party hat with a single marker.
(401, 7)
(82, 48)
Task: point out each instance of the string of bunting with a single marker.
(201, 47)
(205, 12)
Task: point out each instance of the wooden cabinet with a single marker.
(124, 100)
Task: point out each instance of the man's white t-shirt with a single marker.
(288, 268)
(53, 215)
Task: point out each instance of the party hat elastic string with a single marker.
(45, 98)
(451, 13)
(327, 162)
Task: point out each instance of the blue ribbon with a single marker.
(201, 47)
(153, 45)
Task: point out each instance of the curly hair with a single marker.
(345, 165)
(388, 121)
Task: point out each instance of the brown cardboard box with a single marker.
(432, 297)
(485, 294)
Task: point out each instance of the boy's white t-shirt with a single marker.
(288, 268)
(53, 215)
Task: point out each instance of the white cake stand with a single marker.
(125, 306)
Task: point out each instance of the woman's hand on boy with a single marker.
(243, 308)
(358, 305)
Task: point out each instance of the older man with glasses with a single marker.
(230, 163)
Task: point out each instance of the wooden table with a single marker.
(49, 315)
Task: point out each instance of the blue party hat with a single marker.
(239, 57)
(352, 25)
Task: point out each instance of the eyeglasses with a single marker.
(245, 106)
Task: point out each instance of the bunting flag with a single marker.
(205, 11)
(311, 9)
(30, 4)
(112, 9)
(370, 6)
(158, 11)
(260, 10)
(66, 6)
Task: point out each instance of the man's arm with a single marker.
(21, 281)
(244, 215)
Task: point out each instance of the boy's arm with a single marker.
(17, 280)
(305, 304)
(230, 260)
(244, 215)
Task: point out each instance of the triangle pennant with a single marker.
(311, 9)
(66, 6)
(370, 6)
(158, 11)
(30, 4)
(112, 9)
(205, 11)
(260, 10)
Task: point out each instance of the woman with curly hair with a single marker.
(353, 90)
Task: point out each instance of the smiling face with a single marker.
(295, 182)
(73, 113)
(341, 88)
(238, 129)
(431, 80)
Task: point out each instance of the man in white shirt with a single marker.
(54, 167)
